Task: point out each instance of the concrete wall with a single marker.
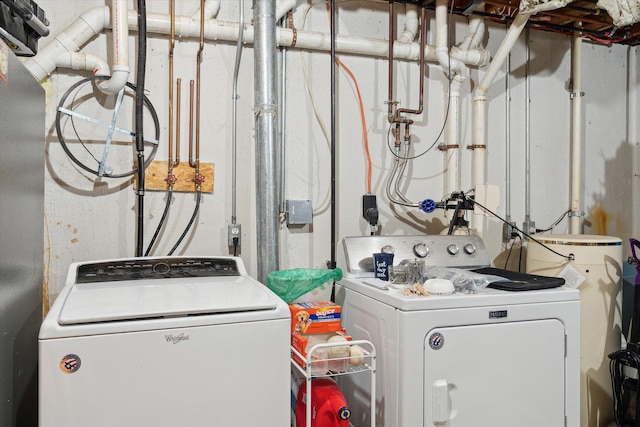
(94, 218)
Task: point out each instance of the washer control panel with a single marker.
(155, 268)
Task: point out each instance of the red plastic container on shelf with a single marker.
(328, 405)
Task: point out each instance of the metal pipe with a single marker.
(172, 43)
(283, 122)
(265, 130)
(507, 136)
(234, 113)
(191, 99)
(423, 36)
(527, 131)
(332, 262)
(196, 163)
(177, 141)
(390, 101)
(576, 134)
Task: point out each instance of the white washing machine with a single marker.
(176, 341)
(487, 359)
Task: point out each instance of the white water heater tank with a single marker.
(597, 267)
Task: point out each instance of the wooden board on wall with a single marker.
(156, 174)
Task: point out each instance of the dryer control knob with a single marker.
(421, 250)
(453, 249)
(470, 249)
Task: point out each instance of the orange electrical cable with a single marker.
(362, 119)
(365, 138)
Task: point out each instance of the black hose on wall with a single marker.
(140, 75)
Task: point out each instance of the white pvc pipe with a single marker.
(452, 137)
(211, 9)
(120, 30)
(411, 24)
(473, 40)
(507, 139)
(458, 72)
(95, 20)
(283, 7)
(81, 61)
(576, 134)
(527, 135)
(479, 109)
(449, 65)
(87, 26)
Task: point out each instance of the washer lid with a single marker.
(172, 297)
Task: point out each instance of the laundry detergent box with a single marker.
(315, 317)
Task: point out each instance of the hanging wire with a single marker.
(552, 226)
(188, 227)
(569, 257)
(162, 221)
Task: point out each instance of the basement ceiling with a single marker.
(586, 16)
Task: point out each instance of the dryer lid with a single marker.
(171, 297)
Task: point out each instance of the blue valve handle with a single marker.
(428, 205)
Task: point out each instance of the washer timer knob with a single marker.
(452, 249)
(469, 248)
(161, 268)
(421, 250)
(387, 249)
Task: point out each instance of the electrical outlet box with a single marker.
(235, 231)
(509, 231)
(529, 227)
(299, 212)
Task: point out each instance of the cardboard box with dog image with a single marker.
(315, 318)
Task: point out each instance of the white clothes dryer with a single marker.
(491, 358)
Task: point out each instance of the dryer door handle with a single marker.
(440, 402)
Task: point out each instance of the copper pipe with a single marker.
(170, 163)
(179, 89)
(390, 102)
(197, 162)
(423, 37)
(191, 124)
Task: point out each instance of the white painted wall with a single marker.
(89, 218)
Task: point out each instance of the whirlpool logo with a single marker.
(175, 339)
